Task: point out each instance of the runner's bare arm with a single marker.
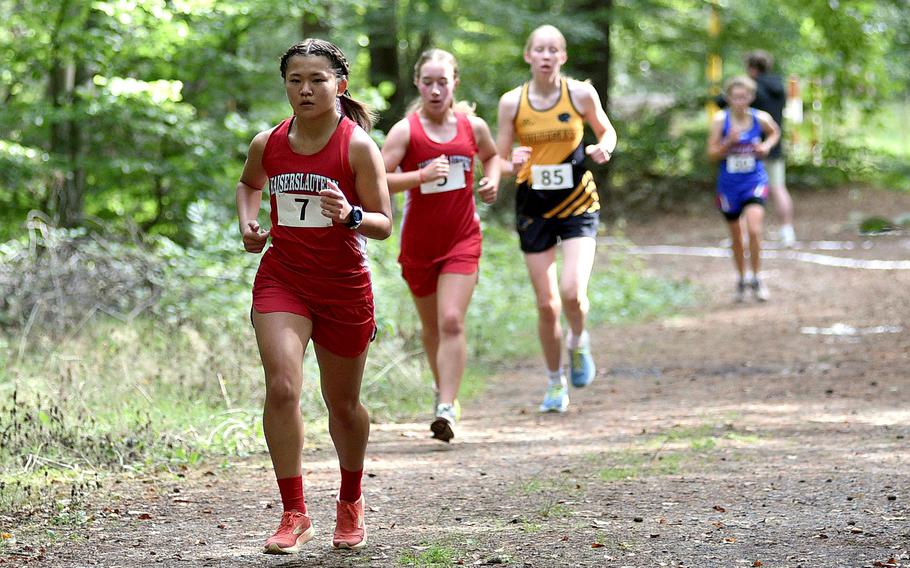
(249, 195)
(371, 187)
(596, 117)
(505, 132)
(488, 186)
(717, 148)
(393, 151)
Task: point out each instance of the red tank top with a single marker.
(327, 262)
(439, 216)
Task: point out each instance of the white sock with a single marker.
(556, 377)
(574, 342)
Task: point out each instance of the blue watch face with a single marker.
(356, 217)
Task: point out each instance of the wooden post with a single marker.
(793, 112)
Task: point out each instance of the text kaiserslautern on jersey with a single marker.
(327, 261)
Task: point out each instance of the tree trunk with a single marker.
(67, 201)
(592, 58)
(592, 61)
(382, 30)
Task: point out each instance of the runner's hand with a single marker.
(334, 204)
(520, 155)
(437, 169)
(486, 190)
(597, 153)
(761, 150)
(253, 239)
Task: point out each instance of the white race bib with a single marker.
(453, 181)
(740, 164)
(300, 210)
(558, 176)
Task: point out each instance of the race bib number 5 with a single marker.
(741, 164)
(300, 210)
(453, 181)
(552, 177)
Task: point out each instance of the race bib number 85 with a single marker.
(552, 177)
(453, 181)
(300, 210)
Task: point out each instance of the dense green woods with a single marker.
(118, 115)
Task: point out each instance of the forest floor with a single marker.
(756, 434)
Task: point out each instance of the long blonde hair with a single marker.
(440, 56)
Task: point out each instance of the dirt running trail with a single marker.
(728, 435)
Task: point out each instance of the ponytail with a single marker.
(357, 111)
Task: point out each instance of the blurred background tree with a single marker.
(125, 112)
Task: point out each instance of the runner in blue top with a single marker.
(735, 140)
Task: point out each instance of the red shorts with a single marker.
(423, 278)
(345, 330)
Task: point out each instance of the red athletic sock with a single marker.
(350, 485)
(291, 489)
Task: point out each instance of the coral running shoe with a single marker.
(294, 531)
(350, 529)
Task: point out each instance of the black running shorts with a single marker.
(538, 234)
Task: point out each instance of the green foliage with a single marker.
(168, 374)
(129, 112)
(437, 555)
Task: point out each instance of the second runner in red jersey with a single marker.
(430, 154)
(440, 229)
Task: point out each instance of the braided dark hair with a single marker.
(312, 47)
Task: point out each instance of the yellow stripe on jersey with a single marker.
(553, 134)
(583, 197)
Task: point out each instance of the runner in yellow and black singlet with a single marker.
(554, 183)
(557, 200)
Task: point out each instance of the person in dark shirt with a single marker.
(770, 97)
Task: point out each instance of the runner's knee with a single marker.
(282, 392)
(573, 302)
(451, 324)
(345, 411)
(549, 310)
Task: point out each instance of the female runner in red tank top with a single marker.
(328, 193)
(435, 147)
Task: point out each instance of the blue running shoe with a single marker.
(581, 366)
(556, 399)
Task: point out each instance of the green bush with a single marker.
(146, 385)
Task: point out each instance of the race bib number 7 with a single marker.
(741, 164)
(453, 181)
(300, 210)
(558, 176)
